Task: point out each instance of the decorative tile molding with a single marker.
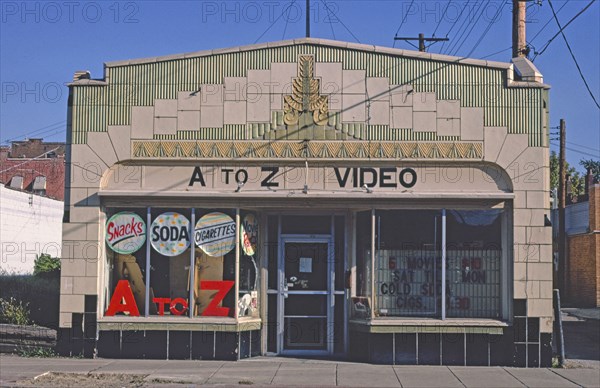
(301, 150)
(305, 95)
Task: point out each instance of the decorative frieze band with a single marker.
(152, 149)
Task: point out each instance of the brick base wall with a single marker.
(584, 270)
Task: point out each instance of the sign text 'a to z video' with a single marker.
(273, 177)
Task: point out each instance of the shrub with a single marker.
(39, 352)
(14, 312)
(45, 263)
(41, 293)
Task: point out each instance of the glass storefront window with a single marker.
(188, 256)
(361, 303)
(214, 238)
(473, 262)
(408, 263)
(170, 240)
(184, 262)
(249, 265)
(126, 254)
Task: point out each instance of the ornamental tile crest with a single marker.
(305, 97)
(329, 150)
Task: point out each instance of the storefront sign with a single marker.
(412, 284)
(172, 303)
(123, 301)
(300, 179)
(249, 234)
(125, 232)
(409, 284)
(170, 234)
(278, 177)
(222, 286)
(389, 177)
(215, 234)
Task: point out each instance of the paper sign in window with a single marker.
(306, 264)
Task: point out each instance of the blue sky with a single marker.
(43, 43)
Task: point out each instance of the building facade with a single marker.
(32, 178)
(30, 225)
(583, 249)
(309, 197)
(34, 166)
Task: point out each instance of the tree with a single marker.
(45, 264)
(593, 166)
(577, 180)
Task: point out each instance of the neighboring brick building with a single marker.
(32, 177)
(32, 148)
(584, 255)
(34, 166)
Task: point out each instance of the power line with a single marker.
(582, 146)
(497, 52)
(287, 19)
(442, 18)
(487, 29)
(560, 29)
(454, 24)
(403, 20)
(29, 160)
(463, 28)
(329, 16)
(37, 131)
(571, 51)
(482, 7)
(548, 22)
(342, 22)
(578, 151)
(270, 26)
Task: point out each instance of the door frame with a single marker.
(329, 328)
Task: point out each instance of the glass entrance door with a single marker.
(306, 295)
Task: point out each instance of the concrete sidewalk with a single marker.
(277, 371)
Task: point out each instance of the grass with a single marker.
(40, 294)
(38, 352)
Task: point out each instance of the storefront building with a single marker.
(309, 197)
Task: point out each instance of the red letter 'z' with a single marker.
(223, 286)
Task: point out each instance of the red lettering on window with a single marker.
(175, 302)
(122, 294)
(223, 286)
(161, 304)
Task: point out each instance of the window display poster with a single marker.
(249, 234)
(125, 232)
(215, 234)
(170, 234)
(407, 282)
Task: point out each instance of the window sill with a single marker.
(429, 325)
(225, 324)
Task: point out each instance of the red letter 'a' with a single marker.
(122, 291)
(223, 286)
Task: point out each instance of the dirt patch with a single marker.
(109, 380)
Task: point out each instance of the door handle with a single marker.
(285, 288)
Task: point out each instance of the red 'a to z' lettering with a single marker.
(122, 294)
(223, 286)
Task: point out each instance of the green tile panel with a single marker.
(521, 110)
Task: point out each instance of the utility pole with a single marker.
(422, 39)
(519, 44)
(308, 18)
(562, 180)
